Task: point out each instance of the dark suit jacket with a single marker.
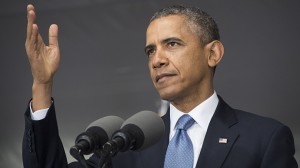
(252, 141)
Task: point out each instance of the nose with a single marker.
(159, 59)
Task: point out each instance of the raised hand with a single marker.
(44, 60)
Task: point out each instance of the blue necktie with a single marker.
(180, 153)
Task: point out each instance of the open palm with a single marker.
(44, 60)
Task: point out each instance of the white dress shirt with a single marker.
(202, 115)
(39, 114)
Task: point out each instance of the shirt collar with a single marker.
(202, 113)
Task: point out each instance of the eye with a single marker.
(150, 51)
(172, 44)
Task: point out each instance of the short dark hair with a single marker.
(200, 21)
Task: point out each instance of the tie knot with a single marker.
(185, 122)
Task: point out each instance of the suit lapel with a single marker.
(219, 137)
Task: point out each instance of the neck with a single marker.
(188, 103)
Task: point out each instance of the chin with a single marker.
(166, 96)
(168, 93)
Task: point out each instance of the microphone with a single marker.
(96, 134)
(138, 132)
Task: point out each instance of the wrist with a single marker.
(41, 96)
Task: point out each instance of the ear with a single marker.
(215, 50)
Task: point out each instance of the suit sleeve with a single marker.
(280, 151)
(42, 147)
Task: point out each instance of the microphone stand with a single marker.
(78, 156)
(105, 162)
(105, 154)
(109, 150)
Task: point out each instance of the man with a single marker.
(183, 48)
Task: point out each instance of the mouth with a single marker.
(163, 76)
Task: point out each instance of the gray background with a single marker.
(104, 71)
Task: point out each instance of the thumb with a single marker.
(53, 35)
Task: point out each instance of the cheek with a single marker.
(198, 60)
(192, 68)
(186, 63)
(150, 67)
(152, 74)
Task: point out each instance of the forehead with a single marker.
(166, 27)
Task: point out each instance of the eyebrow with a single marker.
(164, 41)
(171, 39)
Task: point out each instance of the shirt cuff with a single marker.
(39, 114)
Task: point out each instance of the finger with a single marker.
(40, 45)
(30, 7)
(30, 44)
(33, 44)
(53, 35)
(30, 20)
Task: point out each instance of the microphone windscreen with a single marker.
(109, 124)
(150, 124)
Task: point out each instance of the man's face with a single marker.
(178, 64)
